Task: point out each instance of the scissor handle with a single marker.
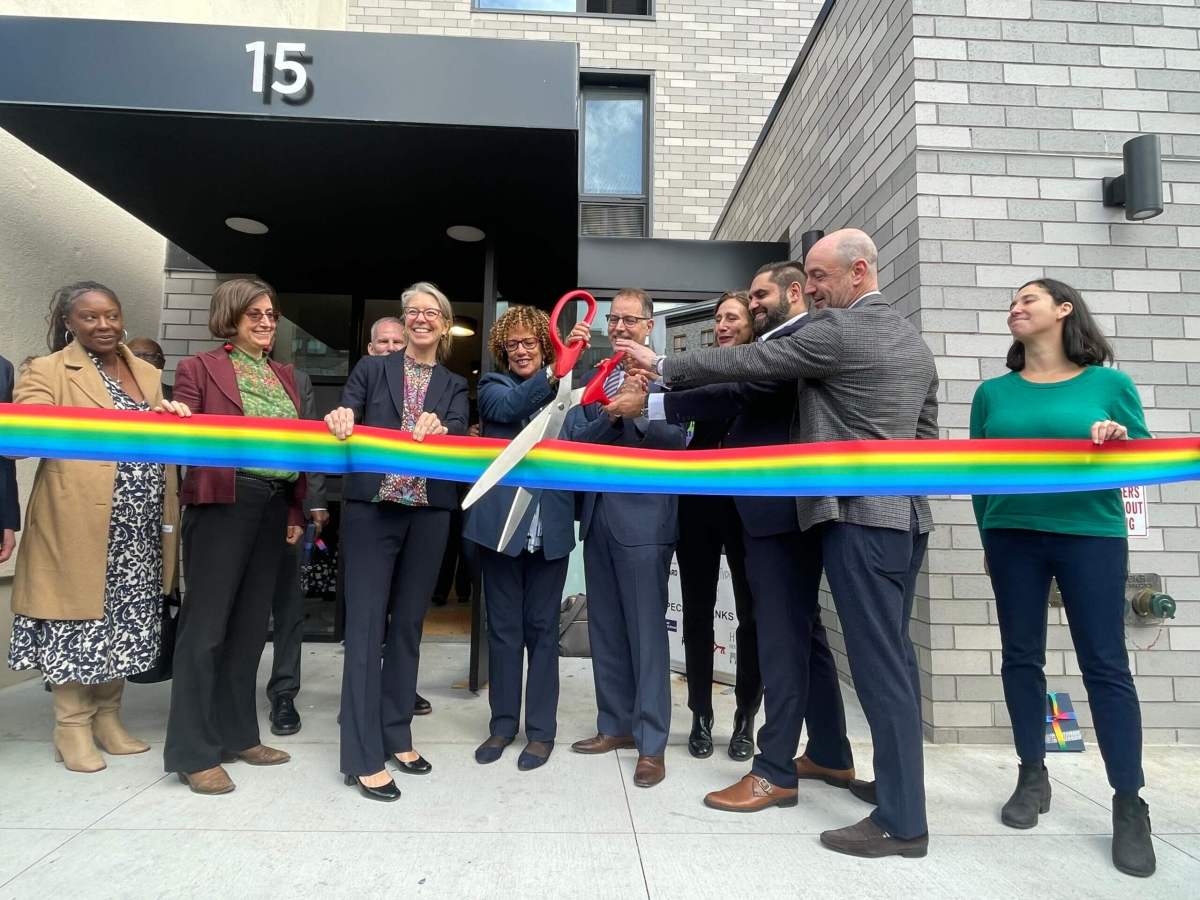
(594, 392)
(566, 355)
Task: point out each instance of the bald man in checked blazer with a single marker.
(864, 373)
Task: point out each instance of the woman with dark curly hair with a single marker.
(523, 581)
(1061, 386)
(100, 538)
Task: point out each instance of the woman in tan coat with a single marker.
(98, 548)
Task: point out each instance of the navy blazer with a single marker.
(642, 519)
(506, 404)
(375, 392)
(10, 509)
(759, 415)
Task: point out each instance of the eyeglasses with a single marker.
(527, 343)
(152, 358)
(431, 315)
(257, 315)
(627, 321)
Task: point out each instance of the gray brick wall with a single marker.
(717, 69)
(842, 151)
(184, 328)
(1013, 111)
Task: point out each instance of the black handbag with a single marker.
(164, 668)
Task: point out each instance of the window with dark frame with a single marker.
(600, 7)
(707, 338)
(679, 344)
(614, 170)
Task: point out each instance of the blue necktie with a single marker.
(613, 382)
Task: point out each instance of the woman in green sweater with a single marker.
(1060, 387)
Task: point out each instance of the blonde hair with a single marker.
(443, 302)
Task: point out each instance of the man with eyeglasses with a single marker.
(152, 352)
(628, 540)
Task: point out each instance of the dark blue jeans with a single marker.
(1091, 575)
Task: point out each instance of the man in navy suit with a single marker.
(783, 567)
(628, 540)
(10, 511)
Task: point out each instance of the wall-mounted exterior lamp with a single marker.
(807, 240)
(1139, 190)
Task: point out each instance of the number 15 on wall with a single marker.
(288, 59)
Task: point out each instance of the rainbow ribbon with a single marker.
(1055, 716)
(846, 468)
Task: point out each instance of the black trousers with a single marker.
(708, 525)
(524, 596)
(231, 555)
(799, 672)
(1091, 574)
(287, 615)
(873, 574)
(390, 556)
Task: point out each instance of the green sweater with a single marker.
(1011, 407)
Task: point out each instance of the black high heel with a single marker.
(418, 766)
(386, 793)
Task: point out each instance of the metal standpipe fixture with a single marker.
(1147, 602)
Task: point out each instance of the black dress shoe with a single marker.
(700, 743)
(387, 792)
(863, 790)
(422, 707)
(534, 755)
(741, 745)
(418, 766)
(491, 749)
(284, 718)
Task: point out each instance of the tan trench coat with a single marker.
(63, 553)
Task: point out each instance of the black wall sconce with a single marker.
(1139, 190)
(807, 240)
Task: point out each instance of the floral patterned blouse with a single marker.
(263, 396)
(409, 490)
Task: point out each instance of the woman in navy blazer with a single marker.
(394, 530)
(522, 582)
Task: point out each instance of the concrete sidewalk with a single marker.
(577, 828)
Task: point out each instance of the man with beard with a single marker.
(783, 566)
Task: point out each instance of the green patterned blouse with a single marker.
(264, 396)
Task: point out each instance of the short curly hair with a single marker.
(515, 317)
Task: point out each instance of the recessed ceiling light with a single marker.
(467, 233)
(246, 226)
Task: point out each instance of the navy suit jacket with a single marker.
(759, 415)
(375, 391)
(506, 404)
(640, 519)
(10, 510)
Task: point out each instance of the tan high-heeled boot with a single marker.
(74, 710)
(110, 733)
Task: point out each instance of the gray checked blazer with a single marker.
(865, 374)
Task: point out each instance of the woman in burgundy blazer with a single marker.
(234, 527)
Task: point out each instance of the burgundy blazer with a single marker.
(207, 384)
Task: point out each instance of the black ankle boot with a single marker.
(1132, 846)
(700, 743)
(741, 745)
(1031, 797)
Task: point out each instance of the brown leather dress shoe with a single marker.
(603, 743)
(650, 770)
(209, 781)
(808, 770)
(751, 794)
(258, 755)
(868, 839)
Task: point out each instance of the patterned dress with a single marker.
(410, 490)
(127, 639)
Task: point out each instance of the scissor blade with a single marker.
(516, 512)
(547, 423)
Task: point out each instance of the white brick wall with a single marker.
(717, 69)
(1009, 116)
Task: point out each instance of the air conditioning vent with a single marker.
(612, 219)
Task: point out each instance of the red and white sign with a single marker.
(1134, 500)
